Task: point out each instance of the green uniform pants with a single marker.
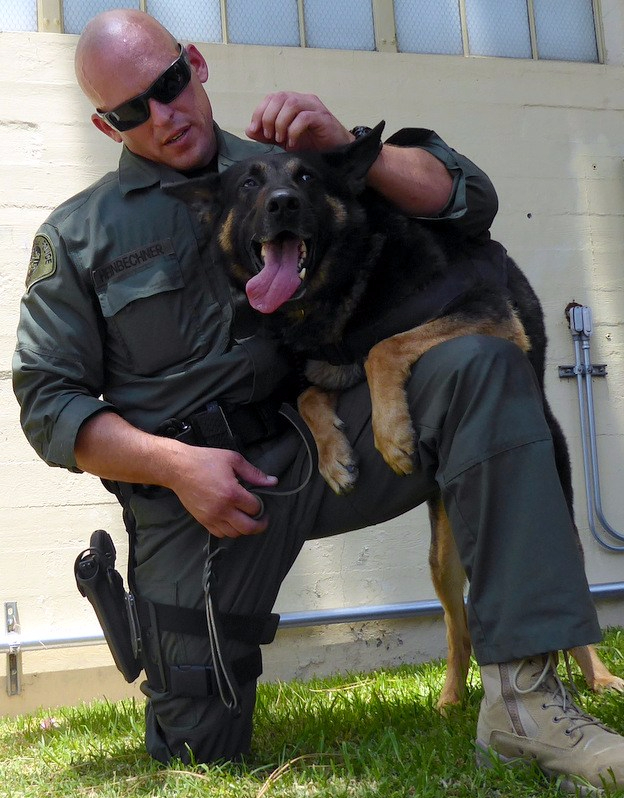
(481, 439)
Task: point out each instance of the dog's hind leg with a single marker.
(388, 366)
(336, 459)
(448, 578)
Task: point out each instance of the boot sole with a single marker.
(488, 758)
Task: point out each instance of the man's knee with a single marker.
(476, 351)
(475, 395)
(475, 366)
(196, 729)
(196, 710)
(201, 695)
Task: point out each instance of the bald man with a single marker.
(128, 330)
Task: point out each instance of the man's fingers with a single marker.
(218, 489)
(248, 473)
(240, 523)
(282, 117)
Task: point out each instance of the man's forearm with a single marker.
(111, 448)
(413, 179)
(208, 482)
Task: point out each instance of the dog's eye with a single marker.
(250, 182)
(305, 177)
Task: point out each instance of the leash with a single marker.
(223, 676)
(225, 681)
(310, 447)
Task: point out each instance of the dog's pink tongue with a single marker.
(279, 278)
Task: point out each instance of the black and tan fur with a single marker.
(357, 258)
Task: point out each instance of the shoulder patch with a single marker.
(42, 260)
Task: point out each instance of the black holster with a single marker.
(103, 586)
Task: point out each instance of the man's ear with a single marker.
(109, 131)
(354, 160)
(198, 62)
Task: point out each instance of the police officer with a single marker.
(125, 324)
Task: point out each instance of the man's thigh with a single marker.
(468, 398)
(379, 494)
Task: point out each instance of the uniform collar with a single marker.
(136, 172)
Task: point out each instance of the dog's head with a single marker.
(280, 221)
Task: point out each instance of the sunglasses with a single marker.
(164, 89)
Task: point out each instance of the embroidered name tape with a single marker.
(130, 261)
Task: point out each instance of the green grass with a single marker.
(366, 735)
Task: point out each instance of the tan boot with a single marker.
(527, 714)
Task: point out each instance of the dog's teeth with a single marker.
(302, 274)
(262, 252)
(303, 251)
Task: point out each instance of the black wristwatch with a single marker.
(360, 130)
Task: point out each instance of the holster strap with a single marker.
(252, 629)
(198, 681)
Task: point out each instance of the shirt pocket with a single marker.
(150, 314)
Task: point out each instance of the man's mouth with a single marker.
(176, 137)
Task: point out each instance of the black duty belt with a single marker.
(221, 426)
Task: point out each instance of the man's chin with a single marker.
(187, 153)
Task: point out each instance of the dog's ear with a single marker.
(202, 194)
(354, 160)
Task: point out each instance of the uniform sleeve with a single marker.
(473, 203)
(58, 364)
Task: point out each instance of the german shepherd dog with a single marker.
(319, 254)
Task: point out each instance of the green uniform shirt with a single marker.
(123, 309)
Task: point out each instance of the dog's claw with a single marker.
(341, 478)
(337, 464)
(401, 465)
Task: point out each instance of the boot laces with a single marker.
(548, 682)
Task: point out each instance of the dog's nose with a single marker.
(282, 201)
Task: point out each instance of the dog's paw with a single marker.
(337, 463)
(448, 700)
(341, 477)
(612, 682)
(396, 446)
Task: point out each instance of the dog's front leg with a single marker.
(388, 367)
(336, 459)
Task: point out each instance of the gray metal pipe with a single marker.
(14, 642)
(581, 328)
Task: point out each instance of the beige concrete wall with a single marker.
(549, 134)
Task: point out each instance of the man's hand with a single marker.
(296, 122)
(209, 486)
(412, 178)
(207, 481)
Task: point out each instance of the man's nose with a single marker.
(160, 113)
